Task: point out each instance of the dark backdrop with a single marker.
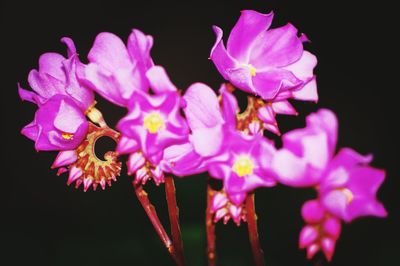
(45, 222)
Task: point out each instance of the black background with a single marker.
(45, 222)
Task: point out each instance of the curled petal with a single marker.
(159, 80)
(222, 60)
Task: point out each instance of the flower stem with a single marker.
(152, 214)
(210, 228)
(173, 212)
(251, 218)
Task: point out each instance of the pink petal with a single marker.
(71, 50)
(249, 26)
(222, 60)
(219, 200)
(276, 48)
(74, 174)
(69, 118)
(65, 158)
(202, 107)
(312, 250)
(308, 92)
(127, 145)
(51, 63)
(109, 52)
(303, 68)
(312, 212)
(139, 46)
(328, 247)
(159, 80)
(307, 236)
(332, 227)
(283, 107)
(266, 114)
(135, 162)
(207, 141)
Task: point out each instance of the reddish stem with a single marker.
(251, 218)
(210, 228)
(152, 214)
(173, 212)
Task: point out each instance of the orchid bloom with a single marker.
(346, 185)
(270, 63)
(152, 124)
(115, 71)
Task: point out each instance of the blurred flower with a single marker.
(115, 71)
(346, 185)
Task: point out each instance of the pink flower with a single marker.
(59, 124)
(57, 75)
(115, 71)
(345, 183)
(267, 62)
(206, 120)
(153, 123)
(245, 165)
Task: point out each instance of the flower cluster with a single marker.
(166, 131)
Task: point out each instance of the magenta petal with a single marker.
(42, 84)
(328, 247)
(268, 83)
(229, 106)
(222, 60)
(31, 131)
(127, 145)
(109, 51)
(135, 162)
(69, 118)
(139, 46)
(312, 250)
(303, 68)
(276, 48)
(218, 201)
(207, 141)
(202, 107)
(249, 26)
(71, 50)
(266, 114)
(307, 236)
(74, 174)
(283, 107)
(312, 212)
(332, 227)
(65, 158)
(159, 80)
(51, 64)
(308, 92)
(238, 198)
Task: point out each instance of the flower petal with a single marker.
(159, 80)
(276, 48)
(202, 107)
(222, 60)
(109, 52)
(249, 26)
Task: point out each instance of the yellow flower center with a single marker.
(349, 195)
(67, 136)
(153, 122)
(252, 69)
(243, 166)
